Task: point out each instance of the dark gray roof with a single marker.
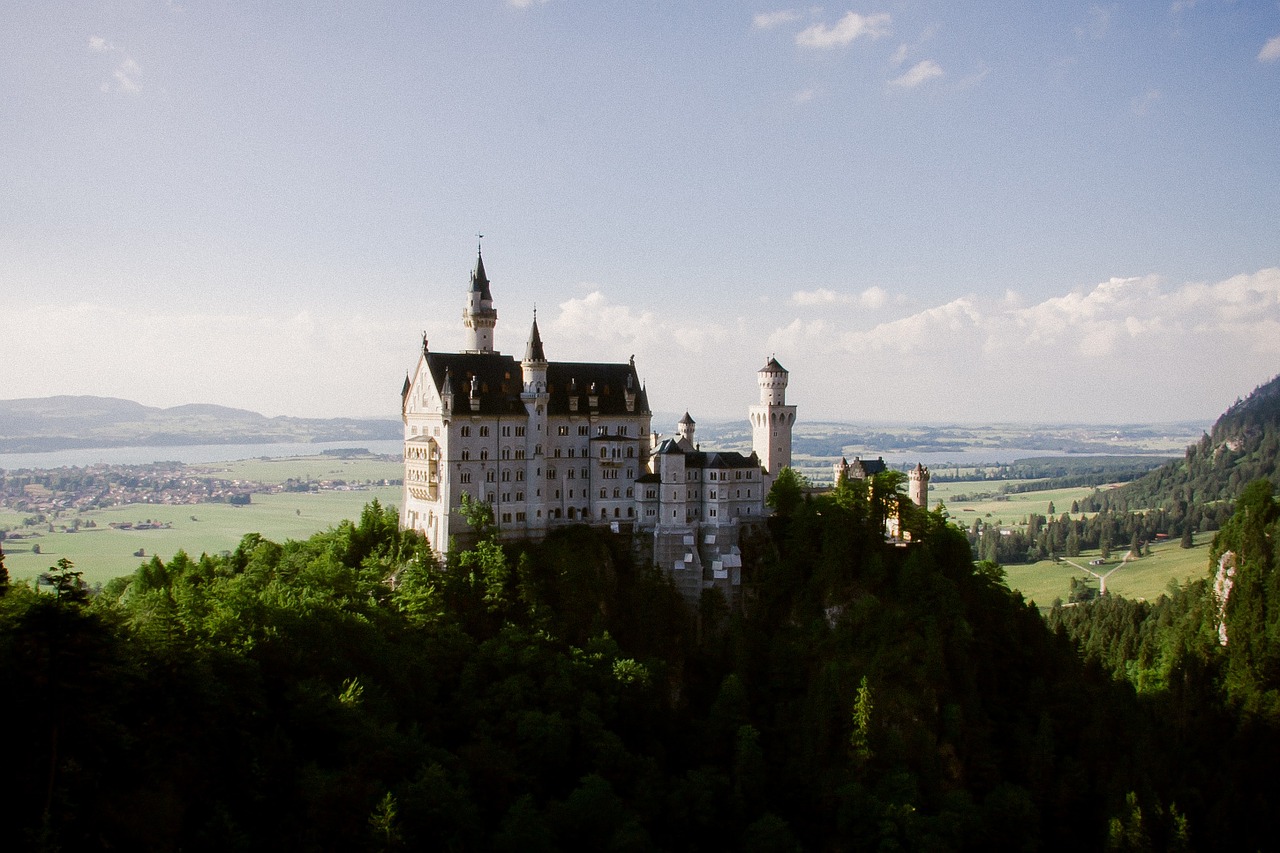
(720, 459)
(534, 351)
(499, 381)
(772, 366)
(479, 281)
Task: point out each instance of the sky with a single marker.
(928, 212)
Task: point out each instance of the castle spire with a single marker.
(534, 352)
(479, 281)
(478, 317)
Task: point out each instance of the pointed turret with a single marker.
(533, 352)
(479, 281)
(479, 316)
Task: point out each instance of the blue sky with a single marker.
(928, 211)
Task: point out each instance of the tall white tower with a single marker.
(479, 316)
(771, 421)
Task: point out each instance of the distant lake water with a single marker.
(196, 453)
(193, 453)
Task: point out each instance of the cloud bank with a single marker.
(1124, 350)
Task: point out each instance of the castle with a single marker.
(548, 444)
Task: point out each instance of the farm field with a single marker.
(1011, 509)
(103, 553)
(1145, 578)
(307, 468)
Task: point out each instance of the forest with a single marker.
(348, 692)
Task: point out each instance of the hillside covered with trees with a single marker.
(345, 692)
(1242, 447)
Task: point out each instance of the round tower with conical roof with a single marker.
(479, 316)
(772, 420)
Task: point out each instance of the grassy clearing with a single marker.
(1146, 578)
(1011, 509)
(306, 468)
(103, 553)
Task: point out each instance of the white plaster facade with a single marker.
(555, 443)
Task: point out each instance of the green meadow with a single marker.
(362, 469)
(1144, 578)
(1009, 509)
(103, 553)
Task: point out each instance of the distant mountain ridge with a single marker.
(38, 424)
(1242, 446)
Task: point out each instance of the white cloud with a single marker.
(804, 96)
(979, 359)
(919, 73)
(900, 55)
(1097, 23)
(769, 20)
(1270, 51)
(525, 4)
(1142, 104)
(848, 28)
(125, 77)
(872, 297)
(1180, 6)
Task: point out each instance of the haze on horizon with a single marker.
(1050, 213)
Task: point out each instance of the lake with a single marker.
(193, 453)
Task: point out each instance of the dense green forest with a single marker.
(345, 692)
(1242, 447)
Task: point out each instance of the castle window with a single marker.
(465, 478)
(713, 513)
(571, 452)
(601, 430)
(622, 430)
(519, 431)
(556, 453)
(466, 454)
(584, 473)
(564, 430)
(569, 474)
(466, 432)
(617, 493)
(582, 429)
(631, 451)
(616, 512)
(488, 476)
(520, 516)
(506, 432)
(519, 476)
(519, 452)
(484, 432)
(506, 518)
(489, 497)
(604, 452)
(551, 473)
(506, 476)
(631, 512)
(519, 496)
(604, 493)
(484, 454)
(506, 453)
